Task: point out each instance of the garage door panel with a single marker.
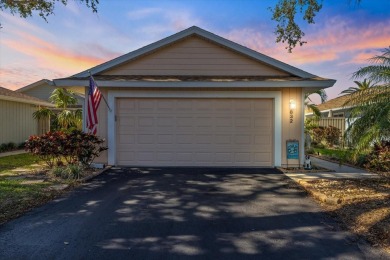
(262, 157)
(264, 122)
(126, 139)
(165, 139)
(194, 132)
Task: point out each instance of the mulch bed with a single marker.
(363, 205)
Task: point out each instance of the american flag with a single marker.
(94, 97)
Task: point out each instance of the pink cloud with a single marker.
(339, 39)
(47, 58)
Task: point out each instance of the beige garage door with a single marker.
(194, 132)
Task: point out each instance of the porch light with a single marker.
(293, 105)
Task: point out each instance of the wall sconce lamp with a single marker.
(293, 104)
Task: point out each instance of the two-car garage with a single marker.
(194, 132)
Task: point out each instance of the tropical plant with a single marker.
(332, 135)
(370, 107)
(65, 119)
(361, 86)
(313, 107)
(379, 158)
(75, 147)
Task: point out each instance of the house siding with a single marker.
(17, 123)
(206, 59)
(292, 131)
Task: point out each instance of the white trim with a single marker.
(203, 33)
(84, 114)
(198, 84)
(276, 95)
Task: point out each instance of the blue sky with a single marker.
(74, 39)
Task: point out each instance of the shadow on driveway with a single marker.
(180, 213)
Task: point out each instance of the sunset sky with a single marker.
(74, 39)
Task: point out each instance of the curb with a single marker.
(62, 187)
(87, 178)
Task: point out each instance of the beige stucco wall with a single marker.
(17, 123)
(195, 56)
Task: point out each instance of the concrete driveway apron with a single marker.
(181, 213)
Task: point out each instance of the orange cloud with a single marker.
(49, 55)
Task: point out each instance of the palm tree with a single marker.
(312, 106)
(361, 86)
(371, 106)
(66, 118)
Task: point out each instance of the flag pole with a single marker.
(105, 101)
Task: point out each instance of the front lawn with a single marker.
(24, 185)
(26, 160)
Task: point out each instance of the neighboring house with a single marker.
(197, 99)
(333, 113)
(42, 89)
(16, 116)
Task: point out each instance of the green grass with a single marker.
(18, 161)
(334, 153)
(16, 196)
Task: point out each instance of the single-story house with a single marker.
(43, 89)
(197, 99)
(16, 116)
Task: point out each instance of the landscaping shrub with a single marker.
(361, 160)
(71, 171)
(319, 145)
(49, 147)
(6, 147)
(318, 134)
(310, 150)
(22, 145)
(11, 146)
(75, 147)
(3, 148)
(379, 158)
(332, 135)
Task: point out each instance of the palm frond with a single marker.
(42, 112)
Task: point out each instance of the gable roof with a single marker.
(295, 78)
(35, 84)
(194, 30)
(9, 95)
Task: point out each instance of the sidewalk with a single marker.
(12, 153)
(339, 172)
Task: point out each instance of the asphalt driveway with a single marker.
(181, 213)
